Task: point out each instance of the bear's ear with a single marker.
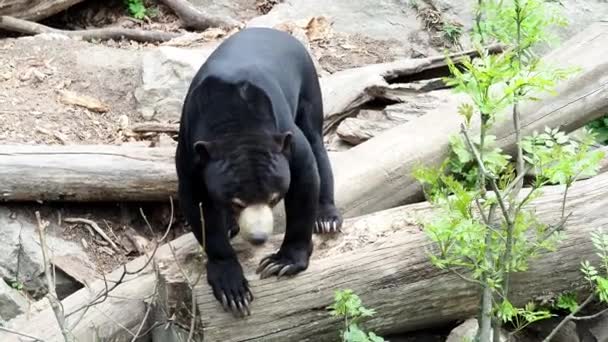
(202, 150)
(283, 141)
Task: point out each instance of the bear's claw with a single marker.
(328, 220)
(230, 287)
(283, 263)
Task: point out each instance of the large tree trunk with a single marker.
(34, 9)
(381, 256)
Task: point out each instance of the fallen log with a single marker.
(34, 9)
(31, 28)
(345, 91)
(81, 173)
(381, 256)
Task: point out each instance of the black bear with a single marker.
(251, 135)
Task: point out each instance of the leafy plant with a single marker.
(451, 32)
(567, 301)
(600, 126)
(136, 8)
(17, 285)
(349, 306)
(493, 234)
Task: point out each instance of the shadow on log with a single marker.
(381, 256)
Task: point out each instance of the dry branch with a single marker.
(31, 28)
(94, 226)
(34, 9)
(192, 18)
(155, 127)
(381, 256)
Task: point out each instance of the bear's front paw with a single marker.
(289, 260)
(230, 286)
(328, 220)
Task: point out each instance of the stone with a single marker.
(236, 9)
(599, 328)
(20, 253)
(541, 329)
(466, 332)
(356, 130)
(166, 75)
(12, 303)
(373, 18)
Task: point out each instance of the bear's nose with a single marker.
(258, 238)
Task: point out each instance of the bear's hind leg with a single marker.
(310, 120)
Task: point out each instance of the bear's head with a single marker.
(248, 175)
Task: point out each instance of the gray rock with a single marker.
(466, 332)
(20, 253)
(599, 328)
(356, 130)
(12, 303)
(236, 9)
(580, 14)
(379, 19)
(166, 75)
(541, 329)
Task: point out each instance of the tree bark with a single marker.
(381, 256)
(86, 173)
(34, 9)
(345, 91)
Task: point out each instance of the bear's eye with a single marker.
(238, 204)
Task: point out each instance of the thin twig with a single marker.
(463, 277)
(95, 227)
(52, 295)
(595, 315)
(569, 317)
(144, 320)
(14, 332)
(487, 175)
(191, 285)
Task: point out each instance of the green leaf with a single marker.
(567, 301)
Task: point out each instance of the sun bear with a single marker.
(251, 135)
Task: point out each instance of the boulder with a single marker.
(12, 303)
(381, 20)
(466, 332)
(21, 256)
(166, 75)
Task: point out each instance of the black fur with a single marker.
(252, 125)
